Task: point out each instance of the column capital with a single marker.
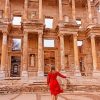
(61, 35)
(75, 35)
(5, 32)
(92, 35)
(40, 32)
(25, 32)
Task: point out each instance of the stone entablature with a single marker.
(68, 29)
(93, 31)
(33, 26)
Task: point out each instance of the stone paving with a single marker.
(46, 96)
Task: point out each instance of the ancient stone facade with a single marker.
(22, 47)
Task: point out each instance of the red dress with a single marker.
(53, 83)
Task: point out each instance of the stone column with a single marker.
(3, 56)
(25, 15)
(40, 55)
(62, 53)
(7, 9)
(94, 56)
(76, 59)
(73, 11)
(40, 9)
(25, 57)
(89, 11)
(60, 10)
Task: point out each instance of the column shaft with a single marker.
(94, 56)
(62, 54)
(4, 48)
(40, 9)
(89, 11)
(60, 10)
(25, 52)
(76, 59)
(73, 10)
(7, 9)
(40, 55)
(25, 15)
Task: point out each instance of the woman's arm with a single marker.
(59, 74)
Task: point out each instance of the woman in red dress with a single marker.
(53, 83)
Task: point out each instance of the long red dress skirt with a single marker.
(53, 83)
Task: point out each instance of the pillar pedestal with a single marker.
(24, 76)
(96, 73)
(2, 75)
(40, 73)
(77, 73)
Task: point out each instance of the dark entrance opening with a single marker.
(49, 61)
(15, 66)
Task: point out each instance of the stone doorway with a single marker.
(49, 60)
(15, 66)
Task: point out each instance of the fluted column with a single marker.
(25, 15)
(7, 9)
(3, 56)
(25, 57)
(40, 55)
(60, 10)
(73, 11)
(76, 58)
(62, 53)
(94, 56)
(89, 11)
(40, 9)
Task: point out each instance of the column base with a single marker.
(77, 73)
(24, 76)
(96, 73)
(2, 75)
(40, 73)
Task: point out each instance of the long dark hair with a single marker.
(52, 68)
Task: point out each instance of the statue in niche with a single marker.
(32, 60)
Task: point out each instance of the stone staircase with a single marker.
(39, 84)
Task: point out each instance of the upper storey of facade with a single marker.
(82, 12)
